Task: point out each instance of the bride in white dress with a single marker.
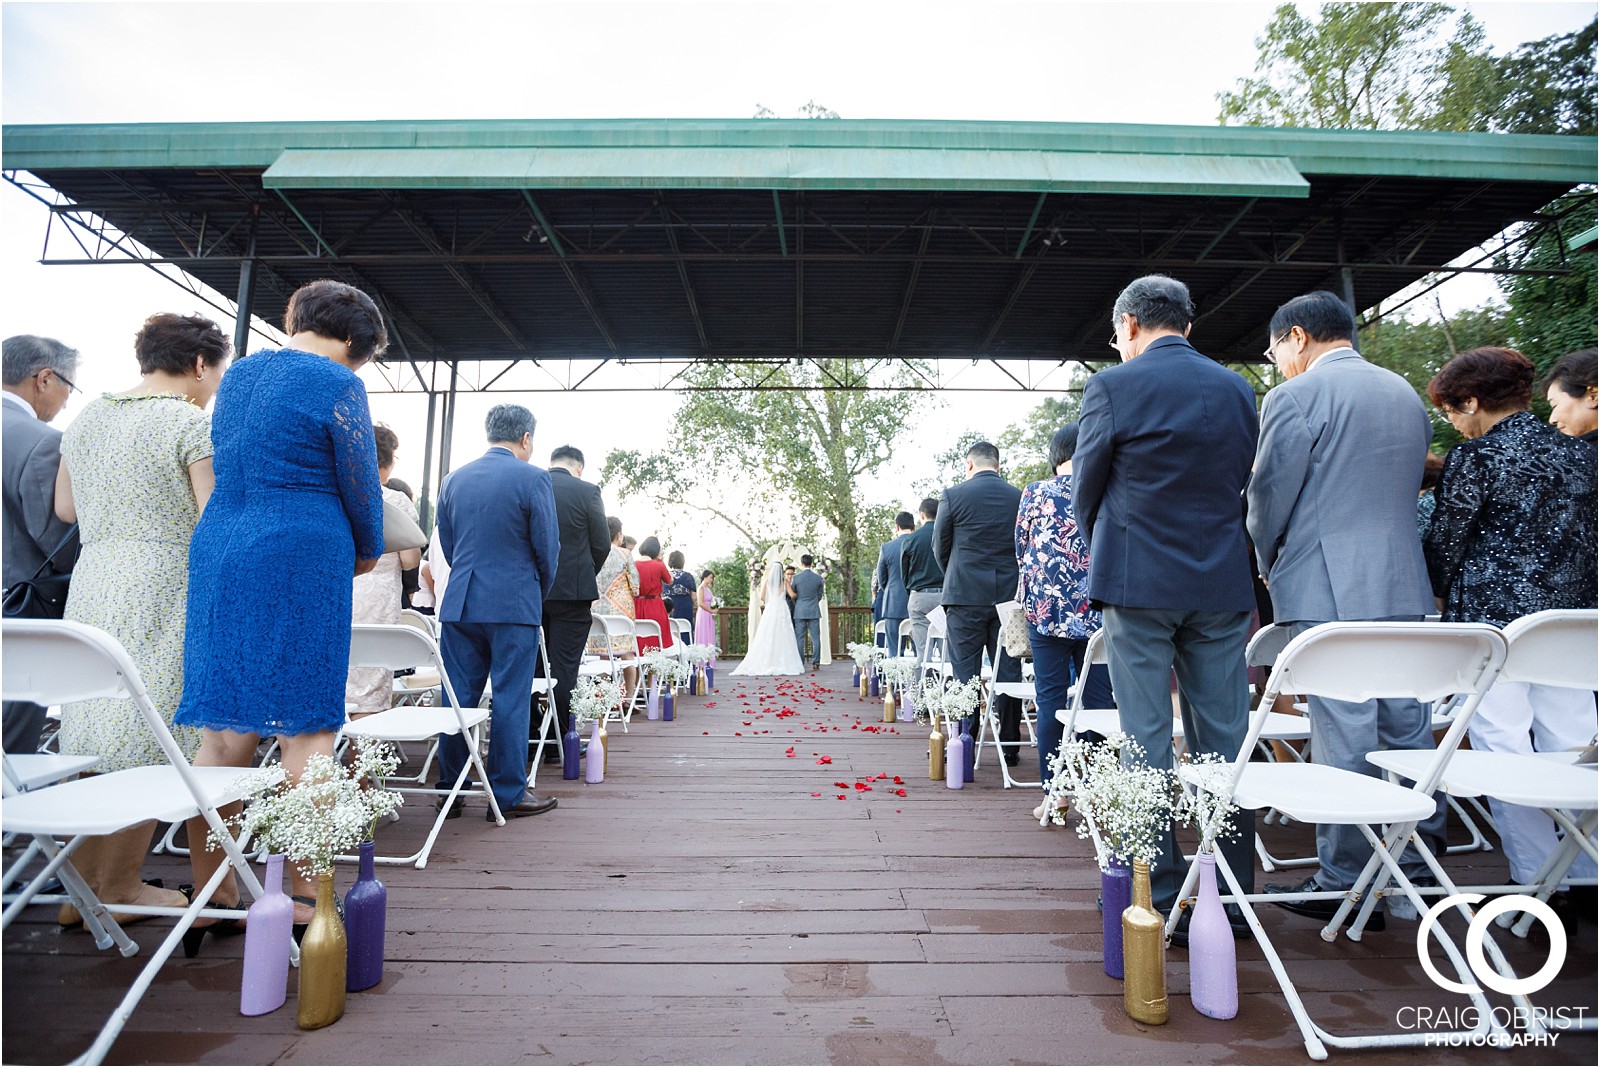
(773, 651)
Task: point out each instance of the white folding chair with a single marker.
(611, 630)
(682, 630)
(1358, 662)
(395, 646)
(544, 688)
(53, 662)
(1554, 648)
(989, 722)
(642, 629)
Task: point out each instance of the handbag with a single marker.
(42, 596)
(400, 531)
(1014, 629)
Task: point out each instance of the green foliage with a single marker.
(1551, 315)
(1025, 446)
(788, 444)
(732, 582)
(1416, 349)
(1411, 66)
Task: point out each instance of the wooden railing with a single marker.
(846, 624)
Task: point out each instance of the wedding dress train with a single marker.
(773, 651)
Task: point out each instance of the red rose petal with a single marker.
(900, 793)
(789, 752)
(825, 760)
(816, 795)
(898, 780)
(841, 797)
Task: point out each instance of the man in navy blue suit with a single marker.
(1165, 443)
(886, 577)
(497, 527)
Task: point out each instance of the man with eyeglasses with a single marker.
(1165, 442)
(38, 373)
(1332, 513)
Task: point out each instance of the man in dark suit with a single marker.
(887, 575)
(497, 527)
(922, 576)
(807, 586)
(1165, 442)
(38, 373)
(974, 542)
(585, 543)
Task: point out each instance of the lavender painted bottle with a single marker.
(1213, 962)
(266, 945)
(652, 702)
(1116, 894)
(594, 765)
(953, 760)
(366, 907)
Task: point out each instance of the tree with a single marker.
(778, 452)
(1553, 314)
(1025, 446)
(1416, 349)
(1368, 66)
(1550, 85)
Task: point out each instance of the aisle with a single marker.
(748, 886)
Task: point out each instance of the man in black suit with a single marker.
(922, 577)
(887, 577)
(1165, 444)
(974, 541)
(585, 543)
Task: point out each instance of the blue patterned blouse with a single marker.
(1053, 562)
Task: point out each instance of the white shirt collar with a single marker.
(20, 402)
(1330, 352)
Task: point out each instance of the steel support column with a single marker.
(247, 288)
(425, 498)
(449, 423)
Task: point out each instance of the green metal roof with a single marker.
(802, 153)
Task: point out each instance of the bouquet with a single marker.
(594, 697)
(946, 697)
(1125, 804)
(1206, 804)
(326, 813)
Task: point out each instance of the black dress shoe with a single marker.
(455, 807)
(1236, 923)
(1321, 910)
(528, 806)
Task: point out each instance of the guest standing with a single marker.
(497, 527)
(135, 476)
(585, 544)
(1332, 515)
(891, 580)
(654, 577)
(1513, 533)
(297, 506)
(705, 601)
(681, 590)
(923, 577)
(1165, 443)
(973, 542)
(376, 596)
(618, 582)
(1574, 400)
(410, 577)
(38, 373)
(1053, 569)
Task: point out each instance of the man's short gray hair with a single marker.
(26, 355)
(508, 422)
(1157, 302)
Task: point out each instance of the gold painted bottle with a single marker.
(323, 954)
(605, 749)
(888, 704)
(936, 752)
(1144, 961)
(865, 685)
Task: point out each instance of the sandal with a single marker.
(122, 921)
(228, 927)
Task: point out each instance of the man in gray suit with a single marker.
(807, 587)
(38, 373)
(1333, 515)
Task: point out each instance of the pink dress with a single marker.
(705, 624)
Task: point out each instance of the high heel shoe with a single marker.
(229, 927)
(297, 931)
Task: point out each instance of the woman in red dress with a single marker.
(653, 578)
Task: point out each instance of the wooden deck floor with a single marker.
(716, 901)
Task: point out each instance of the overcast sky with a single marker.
(216, 62)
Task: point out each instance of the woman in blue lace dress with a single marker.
(1053, 580)
(297, 510)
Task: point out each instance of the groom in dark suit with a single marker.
(585, 543)
(974, 541)
(497, 527)
(1165, 443)
(807, 586)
